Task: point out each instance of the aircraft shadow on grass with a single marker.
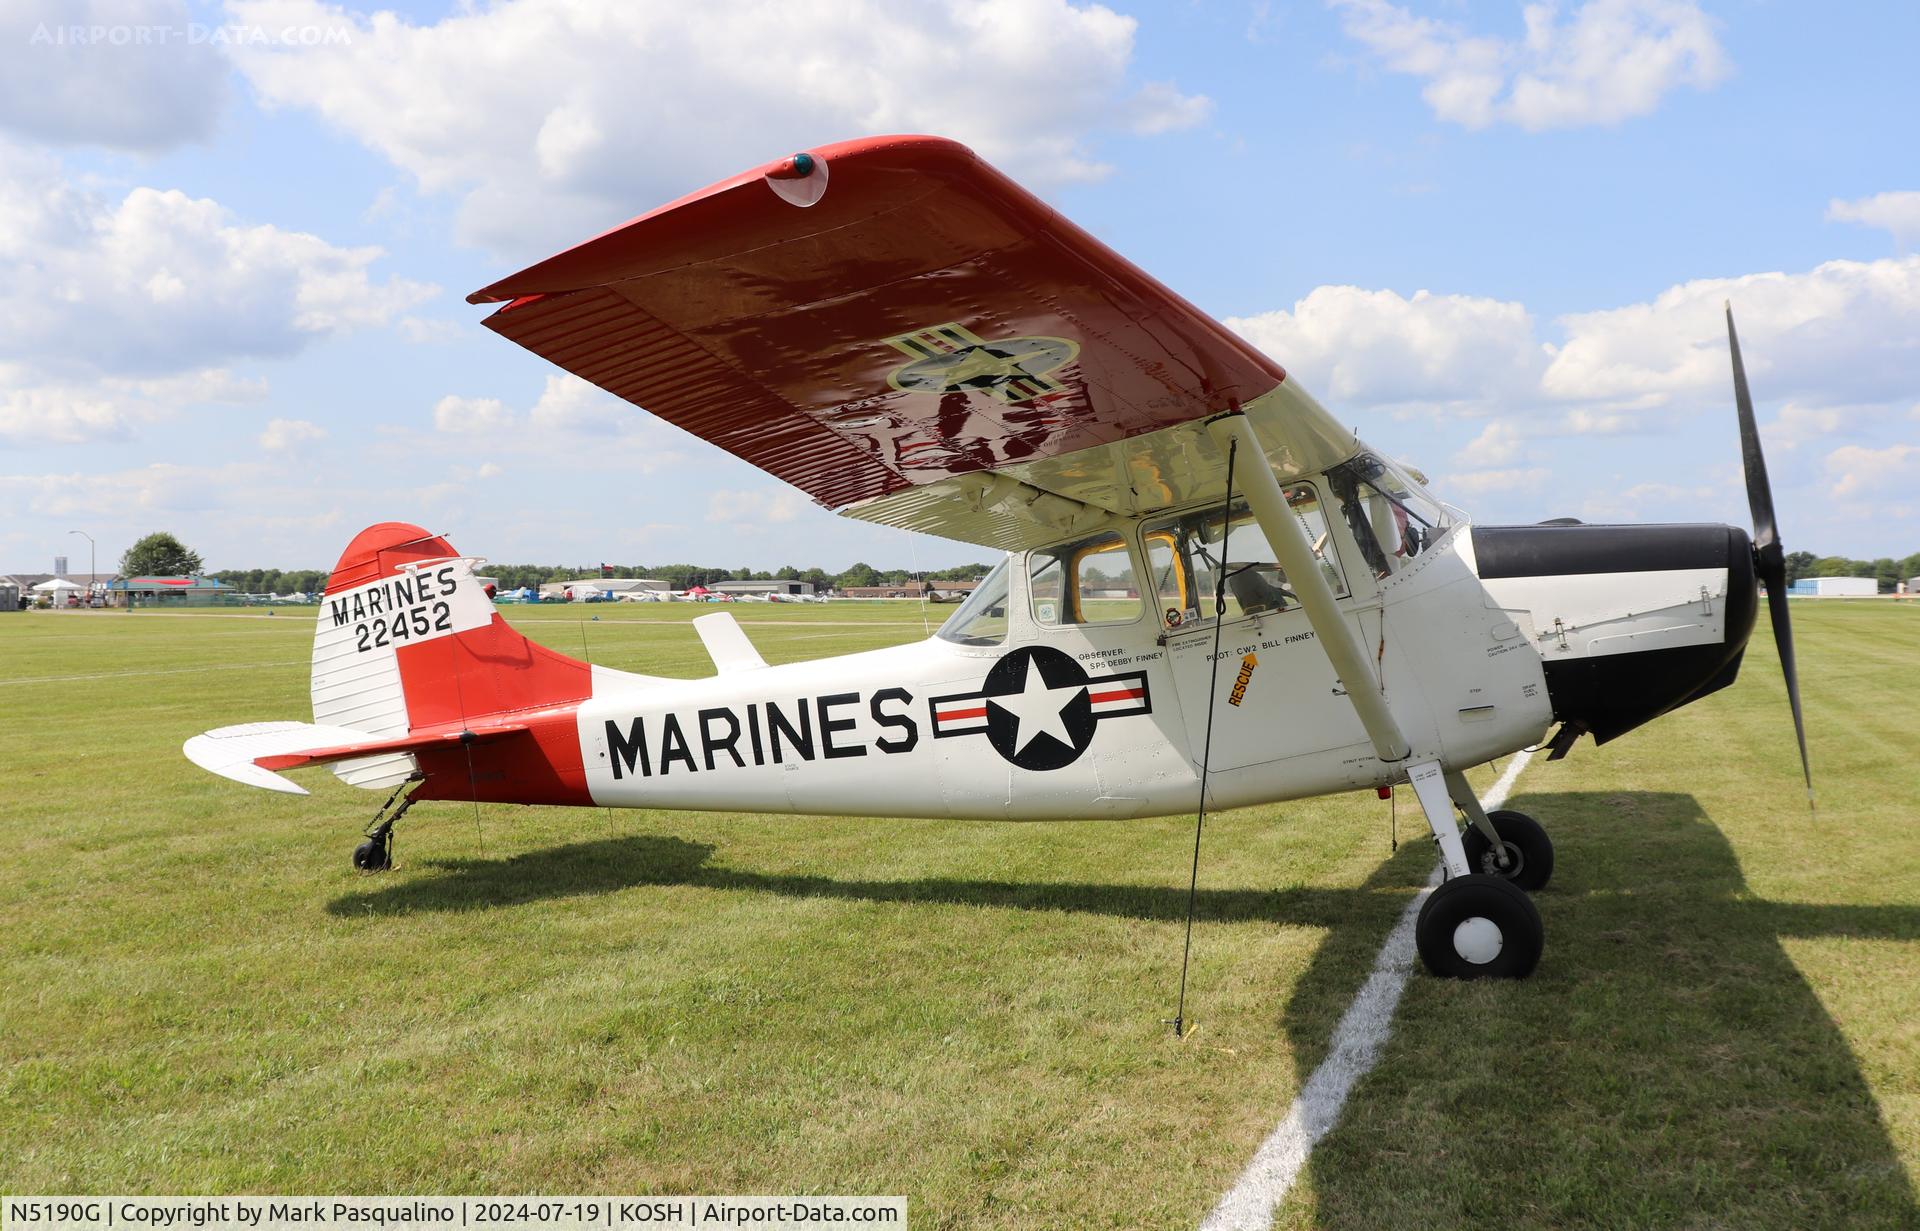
(1668, 1064)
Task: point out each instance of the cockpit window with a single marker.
(1188, 554)
(1392, 518)
(982, 619)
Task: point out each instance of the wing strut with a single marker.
(1289, 541)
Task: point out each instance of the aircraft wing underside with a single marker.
(926, 345)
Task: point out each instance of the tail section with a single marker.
(416, 675)
(408, 640)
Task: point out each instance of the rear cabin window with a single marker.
(1088, 581)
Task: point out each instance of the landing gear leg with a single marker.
(1475, 925)
(1429, 787)
(376, 853)
(1469, 803)
(1503, 842)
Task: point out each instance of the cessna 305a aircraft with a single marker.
(1210, 587)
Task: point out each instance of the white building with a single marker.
(603, 585)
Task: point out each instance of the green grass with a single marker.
(202, 996)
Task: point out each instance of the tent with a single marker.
(58, 588)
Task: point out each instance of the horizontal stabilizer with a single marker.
(251, 752)
(727, 643)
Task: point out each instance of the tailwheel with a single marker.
(376, 853)
(1479, 927)
(1528, 849)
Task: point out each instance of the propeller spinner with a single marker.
(1770, 561)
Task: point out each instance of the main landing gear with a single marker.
(1480, 923)
(376, 853)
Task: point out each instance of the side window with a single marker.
(1089, 581)
(1196, 548)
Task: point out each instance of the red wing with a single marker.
(925, 318)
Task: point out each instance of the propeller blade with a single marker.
(1759, 491)
(1770, 561)
(1773, 574)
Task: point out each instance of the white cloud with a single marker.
(1607, 61)
(777, 504)
(1584, 421)
(59, 416)
(1858, 471)
(1509, 480)
(1377, 348)
(569, 404)
(1498, 444)
(572, 424)
(1644, 502)
(1897, 212)
(556, 118)
(1797, 424)
(162, 487)
(422, 330)
(288, 435)
(1843, 331)
(36, 411)
(159, 282)
(471, 416)
(125, 74)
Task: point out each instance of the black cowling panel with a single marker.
(1557, 550)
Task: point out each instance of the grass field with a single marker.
(201, 995)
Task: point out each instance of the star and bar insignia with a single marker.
(949, 358)
(1039, 708)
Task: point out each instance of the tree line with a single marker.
(1886, 570)
(679, 576)
(162, 554)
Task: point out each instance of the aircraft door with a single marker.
(1273, 692)
(1097, 695)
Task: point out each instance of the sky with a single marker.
(235, 242)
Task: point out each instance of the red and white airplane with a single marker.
(1210, 584)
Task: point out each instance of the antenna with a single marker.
(1206, 748)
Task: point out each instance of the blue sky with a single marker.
(237, 239)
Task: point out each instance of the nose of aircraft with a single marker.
(1637, 641)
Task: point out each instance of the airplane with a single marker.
(1212, 594)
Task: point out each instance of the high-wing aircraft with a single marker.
(1211, 588)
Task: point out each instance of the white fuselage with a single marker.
(922, 729)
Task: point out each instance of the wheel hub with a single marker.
(1478, 940)
(1490, 861)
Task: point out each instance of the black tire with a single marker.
(1454, 938)
(372, 856)
(1529, 850)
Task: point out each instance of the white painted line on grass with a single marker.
(127, 675)
(1250, 1203)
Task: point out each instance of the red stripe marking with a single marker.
(975, 713)
(1121, 694)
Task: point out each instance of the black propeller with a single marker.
(1770, 559)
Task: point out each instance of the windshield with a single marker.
(1392, 518)
(982, 619)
